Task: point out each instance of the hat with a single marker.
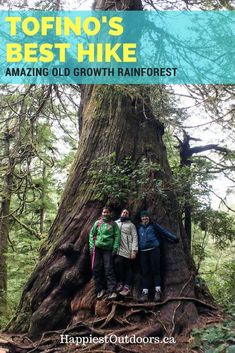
(144, 213)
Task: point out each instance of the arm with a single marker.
(117, 237)
(92, 236)
(134, 237)
(169, 235)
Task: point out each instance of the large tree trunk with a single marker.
(60, 289)
(112, 122)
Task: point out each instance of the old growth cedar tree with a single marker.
(60, 289)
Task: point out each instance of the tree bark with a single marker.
(42, 199)
(60, 290)
(4, 220)
(185, 161)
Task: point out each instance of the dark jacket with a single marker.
(150, 235)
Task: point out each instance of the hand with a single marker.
(133, 255)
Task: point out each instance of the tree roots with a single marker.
(124, 319)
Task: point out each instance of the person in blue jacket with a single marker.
(149, 234)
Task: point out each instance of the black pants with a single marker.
(103, 272)
(123, 270)
(150, 267)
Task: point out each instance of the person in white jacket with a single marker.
(126, 253)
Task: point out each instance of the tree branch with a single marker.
(30, 230)
(215, 147)
(219, 197)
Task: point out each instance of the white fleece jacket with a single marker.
(129, 238)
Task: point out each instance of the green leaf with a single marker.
(231, 349)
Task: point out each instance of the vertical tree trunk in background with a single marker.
(188, 218)
(42, 199)
(112, 121)
(186, 159)
(185, 155)
(4, 220)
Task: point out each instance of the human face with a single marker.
(105, 212)
(145, 219)
(125, 213)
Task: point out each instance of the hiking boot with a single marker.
(126, 291)
(100, 294)
(112, 295)
(157, 296)
(143, 298)
(119, 287)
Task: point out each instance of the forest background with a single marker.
(38, 138)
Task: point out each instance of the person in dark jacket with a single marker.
(104, 242)
(149, 234)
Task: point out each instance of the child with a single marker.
(149, 245)
(104, 241)
(126, 253)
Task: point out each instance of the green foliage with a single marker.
(215, 339)
(219, 4)
(117, 182)
(219, 224)
(223, 283)
(218, 271)
(40, 137)
(21, 258)
(212, 230)
(192, 183)
(213, 248)
(112, 180)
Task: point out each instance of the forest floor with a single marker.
(50, 341)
